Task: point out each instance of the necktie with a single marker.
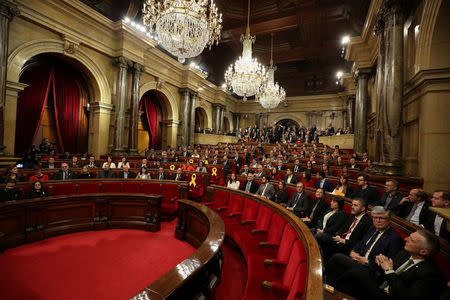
(264, 190)
(247, 188)
(178, 176)
(404, 267)
(411, 213)
(388, 201)
(370, 242)
(125, 175)
(350, 229)
(296, 199)
(312, 211)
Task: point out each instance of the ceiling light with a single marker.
(345, 40)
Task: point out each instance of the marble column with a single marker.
(192, 119)
(389, 28)
(222, 111)
(237, 121)
(185, 116)
(350, 115)
(216, 110)
(361, 105)
(319, 120)
(123, 64)
(8, 11)
(308, 120)
(265, 118)
(258, 120)
(134, 111)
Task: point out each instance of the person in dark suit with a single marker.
(106, 172)
(296, 168)
(260, 173)
(333, 219)
(179, 175)
(348, 235)
(64, 173)
(436, 223)
(299, 201)
(324, 183)
(391, 199)
(414, 207)
(281, 195)
(266, 189)
(411, 274)
(50, 164)
(381, 238)
(185, 152)
(289, 177)
(92, 164)
(280, 166)
(37, 191)
(126, 173)
(9, 192)
(84, 173)
(245, 170)
(226, 165)
(249, 185)
(237, 162)
(316, 209)
(365, 190)
(161, 175)
(353, 164)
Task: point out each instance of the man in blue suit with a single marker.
(324, 183)
(381, 238)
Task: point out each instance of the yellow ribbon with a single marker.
(191, 161)
(214, 171)
(172, 167)
(193, 177)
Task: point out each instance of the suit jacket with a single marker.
(424, 216)
(327, 186)
(421, 281)
(321, 208)
(370, 194)
(298, 168)
(281, 196)
(388, 244)
(238, 162)
(253, 187)
(269, 192)
(281, 168)
(300, 206)
(258, 175)
(227, 167)
(55, 166)
(181, 178)
(163, 176)
(358, 232)
(394, 204)
(130, 175)
(294, 179)
(59, 175)
(335, 221)
(105, 174)
(429, 225)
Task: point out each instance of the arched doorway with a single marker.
(287, 123)
(201, 119)
(150, 122)
(54, 105)
(226, 125)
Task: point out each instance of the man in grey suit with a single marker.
(266, 189)
(299, 201)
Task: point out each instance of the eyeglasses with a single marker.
(379, 218)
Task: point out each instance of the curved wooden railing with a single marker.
(198, 275)
(35, 219)
(314, 284)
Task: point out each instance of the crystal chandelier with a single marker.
(270, 94)
(182, 26)
(246, 75)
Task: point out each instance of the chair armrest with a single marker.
(255, 232)
(173, 199)
(232, 215)
(245, 222)
(263, 245)
(273, 262)
(275, 287)
(222, 208)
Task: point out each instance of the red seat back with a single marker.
(62, 189)
(221, 198)
(111, 187)
(151, 188)
(88, 188)
(235, 204)
(299, 284)
(293, 263)
(169, 191)
(276, 229)
(263, 219)
(287, 240)
(131, 187)
(250, 210)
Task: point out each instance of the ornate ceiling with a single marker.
(307, 40)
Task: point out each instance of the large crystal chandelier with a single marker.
(270, 94)
(246, 75)
(183, 27)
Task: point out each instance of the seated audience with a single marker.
(365, 190)
(51, 163)
(307, 179)
(74, 162)
(289, 177)
(266, 189)
(281, 195)
(392, 197)
(233, 183)
(410, 274)
(280, 166)
(260, 173)
(123, 162)
(249, 185)
(381, 238)
(333, 219)
(187, 166)
(106, 172)
(37, 190)
(12, 173)
(297, 167)
(179, 175)
(9, 192)
(299, 201)
(109, 161)
(414, 207)
(436, 223)
(64, 173)
(309, 167)
(201, 167)
(84, 173)
(143, 173)
(326, 169)
(161, 175)
(344, 172)
(324, 183)
(349, 234)
(353, 164)
(38, 175)
(92, 164)
(316, 209)
(126, 173)
(245, 171)
(144, 163)
(343, 188)
(274, 175)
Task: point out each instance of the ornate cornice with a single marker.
(8, 10)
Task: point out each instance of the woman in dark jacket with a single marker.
(84, 173)
(281, 195)
(37, 191)
(333, 219)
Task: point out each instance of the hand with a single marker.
(384, 262)
(319, 231)
(405, 199)
(338, 239)
(290, 208)
(306, 219)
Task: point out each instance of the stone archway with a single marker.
(226, 125)
(288, 117)
(201, 119)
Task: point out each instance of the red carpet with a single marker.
(234, 276)
(111, 264)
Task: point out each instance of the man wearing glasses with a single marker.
(365, 191)
(381, 238)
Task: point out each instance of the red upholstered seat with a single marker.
(348, 209)
(62, 189)
(151, 188)
(235, 204)
(248, 215)
(298, 286)
(131, 187)
(88, 188)
(111, 187)
(170, 195)
(220, 199)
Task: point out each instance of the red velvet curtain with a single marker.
(154, 117)
(30, 105)
(66, 99)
